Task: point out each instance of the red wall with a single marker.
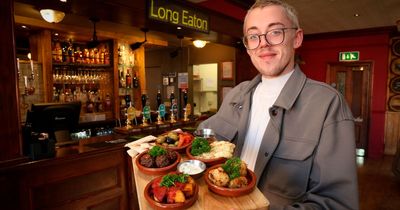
(318, 52)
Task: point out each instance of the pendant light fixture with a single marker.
(94, 42)
(137, 45)
(53, 11)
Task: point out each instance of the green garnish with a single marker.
(170, 179)
(157, 151)
(232, 167)
(199, 146)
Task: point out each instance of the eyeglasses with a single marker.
(273, 37)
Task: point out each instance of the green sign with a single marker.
(167, 11)
(161, 109)
(349, 56)
(146, 112)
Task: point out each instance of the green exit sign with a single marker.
(349, 56)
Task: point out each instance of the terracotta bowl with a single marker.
(157, 171)
(175, 206)
(181, 149)
(231, 192)
(208, 162)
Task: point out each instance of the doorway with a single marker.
(205, 85)
(353, 81)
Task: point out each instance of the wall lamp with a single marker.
(52, 16)
(199, 43)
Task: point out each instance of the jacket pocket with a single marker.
(289, 168)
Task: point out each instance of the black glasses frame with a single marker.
(265, 37)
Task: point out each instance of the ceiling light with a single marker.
(199, 43)
(52, 16)
(356, 15)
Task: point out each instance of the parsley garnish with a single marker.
(157, 151)
(199, 146)
(170, 179)
(232, 167)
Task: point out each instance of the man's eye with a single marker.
(275, 32)
(252, 37)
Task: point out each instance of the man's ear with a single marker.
(298, 40)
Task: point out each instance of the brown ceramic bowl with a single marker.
(174, 206)
(157, 171)
(231, 192)
(181, 149)
(208, 162)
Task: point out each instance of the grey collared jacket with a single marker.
(307, 156)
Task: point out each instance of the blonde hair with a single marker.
(288, 9)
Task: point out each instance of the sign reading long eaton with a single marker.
(165, 11)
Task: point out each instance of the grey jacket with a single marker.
(307, 156)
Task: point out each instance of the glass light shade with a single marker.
(52, 16)
(199, 43)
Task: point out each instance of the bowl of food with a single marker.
(231, 179)
(172, 191)
(157, 161)
(175, 140)
(194, 168)
(205, 133)
(210, 152)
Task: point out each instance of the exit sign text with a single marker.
(349, 56)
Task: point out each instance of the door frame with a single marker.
(366, 108)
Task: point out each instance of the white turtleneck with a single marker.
(265, 95)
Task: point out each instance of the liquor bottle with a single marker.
(71, 52)
(127, 99)
(135, 81)
(144, 99)
(107, 104)
(185, 97)
(128, 79)
(122, 83)
(78, 55)
(159, 98)
(65, 57)
(172, 97)
(106, 55)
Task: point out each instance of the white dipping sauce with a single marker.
(188, 168)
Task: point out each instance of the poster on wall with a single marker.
(183, 80)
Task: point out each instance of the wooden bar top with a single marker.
(206, 198)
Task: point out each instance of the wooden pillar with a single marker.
(10, 135)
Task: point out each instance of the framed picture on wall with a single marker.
(227, 70)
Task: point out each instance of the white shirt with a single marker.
(265, 95)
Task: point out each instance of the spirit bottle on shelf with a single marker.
(135, 81)
(159, 98)
(128, 79)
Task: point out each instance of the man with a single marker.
(295, 133)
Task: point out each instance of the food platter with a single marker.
(208, 162)
(175, 140)
(231, 192)
(148, 194)
(157, 171)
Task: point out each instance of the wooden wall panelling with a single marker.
(87, 182)
(40, 44)
(10, 137)
(392, 129)
(392, 132)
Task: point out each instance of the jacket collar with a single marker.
(292, 89)
(288, 95)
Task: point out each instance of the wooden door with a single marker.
(352, 80)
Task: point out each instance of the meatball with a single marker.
(243, 169)
(162, 161)
(238, 182)
(219, 177)
(171, 156)
(147, 161)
